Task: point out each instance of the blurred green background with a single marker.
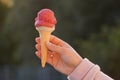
(92, 27)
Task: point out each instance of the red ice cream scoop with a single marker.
(45, 17)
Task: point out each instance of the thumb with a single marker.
(54, 47)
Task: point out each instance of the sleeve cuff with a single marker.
(81, 70)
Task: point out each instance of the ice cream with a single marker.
(45, 25)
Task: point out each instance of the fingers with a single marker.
(57, 41)
(38, 47)
(38, 54)
(55, 44)
(37, 40)
(55, 48)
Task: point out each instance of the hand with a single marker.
(60, 55)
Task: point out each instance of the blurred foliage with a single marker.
(91, 26)
(8, 3)
(4, 8)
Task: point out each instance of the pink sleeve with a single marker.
(86, 70)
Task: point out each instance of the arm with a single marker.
(88, 71)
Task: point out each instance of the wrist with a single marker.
(76, 63)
